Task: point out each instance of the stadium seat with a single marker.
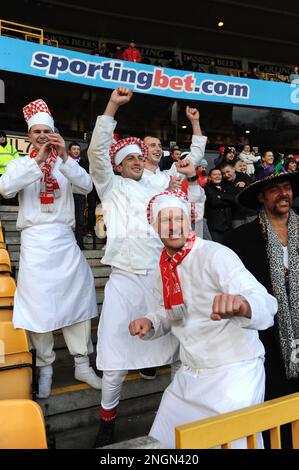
(22, 425)
(5, 264)
(2, 241)
(246, 423)
(7, 291)
(16, 364)
(6, 314)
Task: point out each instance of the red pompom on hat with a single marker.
(37, 112)
(118, 150)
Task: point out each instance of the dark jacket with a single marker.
(218, 208)
(247, 241)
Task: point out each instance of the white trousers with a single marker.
(77, 338)
(112, 384)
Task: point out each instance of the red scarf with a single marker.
(172, 291)
(49, 186)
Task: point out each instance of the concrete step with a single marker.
(4, 208)
(73, 406)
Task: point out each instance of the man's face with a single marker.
(268, 158)
(38, 135)
(75, 151)
(246, 148)
(131, 167)
(2, 139)
(277, 198)
(176, 155)
(154, 150)
(216, 177)
(229, 173)
(173, 228)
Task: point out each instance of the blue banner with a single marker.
(71, 66)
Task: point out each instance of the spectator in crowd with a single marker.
(266, 168)
(79, 198)
(118, 54)
(103, 50)
(229, 156)
(268, 248)
(212, 68)
(174, 156)
(254, 74)
(132, 54)
(290, 164)
(7, 152)
(55, 283)
(218, 208)
(249, 158)
(294, 76)
(234, 183)
(240, 167)
(214, 307)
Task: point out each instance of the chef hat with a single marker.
(124, 147)
(167, 199)
(37, 112)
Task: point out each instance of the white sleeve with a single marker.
(197, 149)
(233, 278)
(159, 318)
(80, 179)
(101, 169)
(20, 172)
(196, 154)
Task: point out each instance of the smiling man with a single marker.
(269, 249)
(214, 307)
(55, 284)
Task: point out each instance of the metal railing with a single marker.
(29, 33)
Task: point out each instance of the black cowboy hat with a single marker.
(249, 196)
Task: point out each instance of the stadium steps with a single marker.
(71, 411)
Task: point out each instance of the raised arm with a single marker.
(98, 152)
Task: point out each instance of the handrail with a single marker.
(246, 423)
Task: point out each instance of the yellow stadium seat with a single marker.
(7, 291)
(246, 423)
(5, 264)
(2, 241)
(16, 364)
(22, 425)
(6, 314)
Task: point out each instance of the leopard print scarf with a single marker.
(288, 305)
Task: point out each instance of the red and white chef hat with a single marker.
(124, 147)
(37, 112)
(167, 199)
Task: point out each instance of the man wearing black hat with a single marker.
(268, 247)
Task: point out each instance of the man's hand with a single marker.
(227, 306)
(241, 184)
(140, 327)
(43, 153)
(174, 183)
(121, 95)
(192, 114)
(57, 141)
(186, 167)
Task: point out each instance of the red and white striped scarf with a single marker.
(172, 291)
(49, 189)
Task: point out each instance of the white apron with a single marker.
(129, 296)
(55, 285)
(195, 395)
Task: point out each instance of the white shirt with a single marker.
(211, 269)
(132, 244)
(23, 176)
